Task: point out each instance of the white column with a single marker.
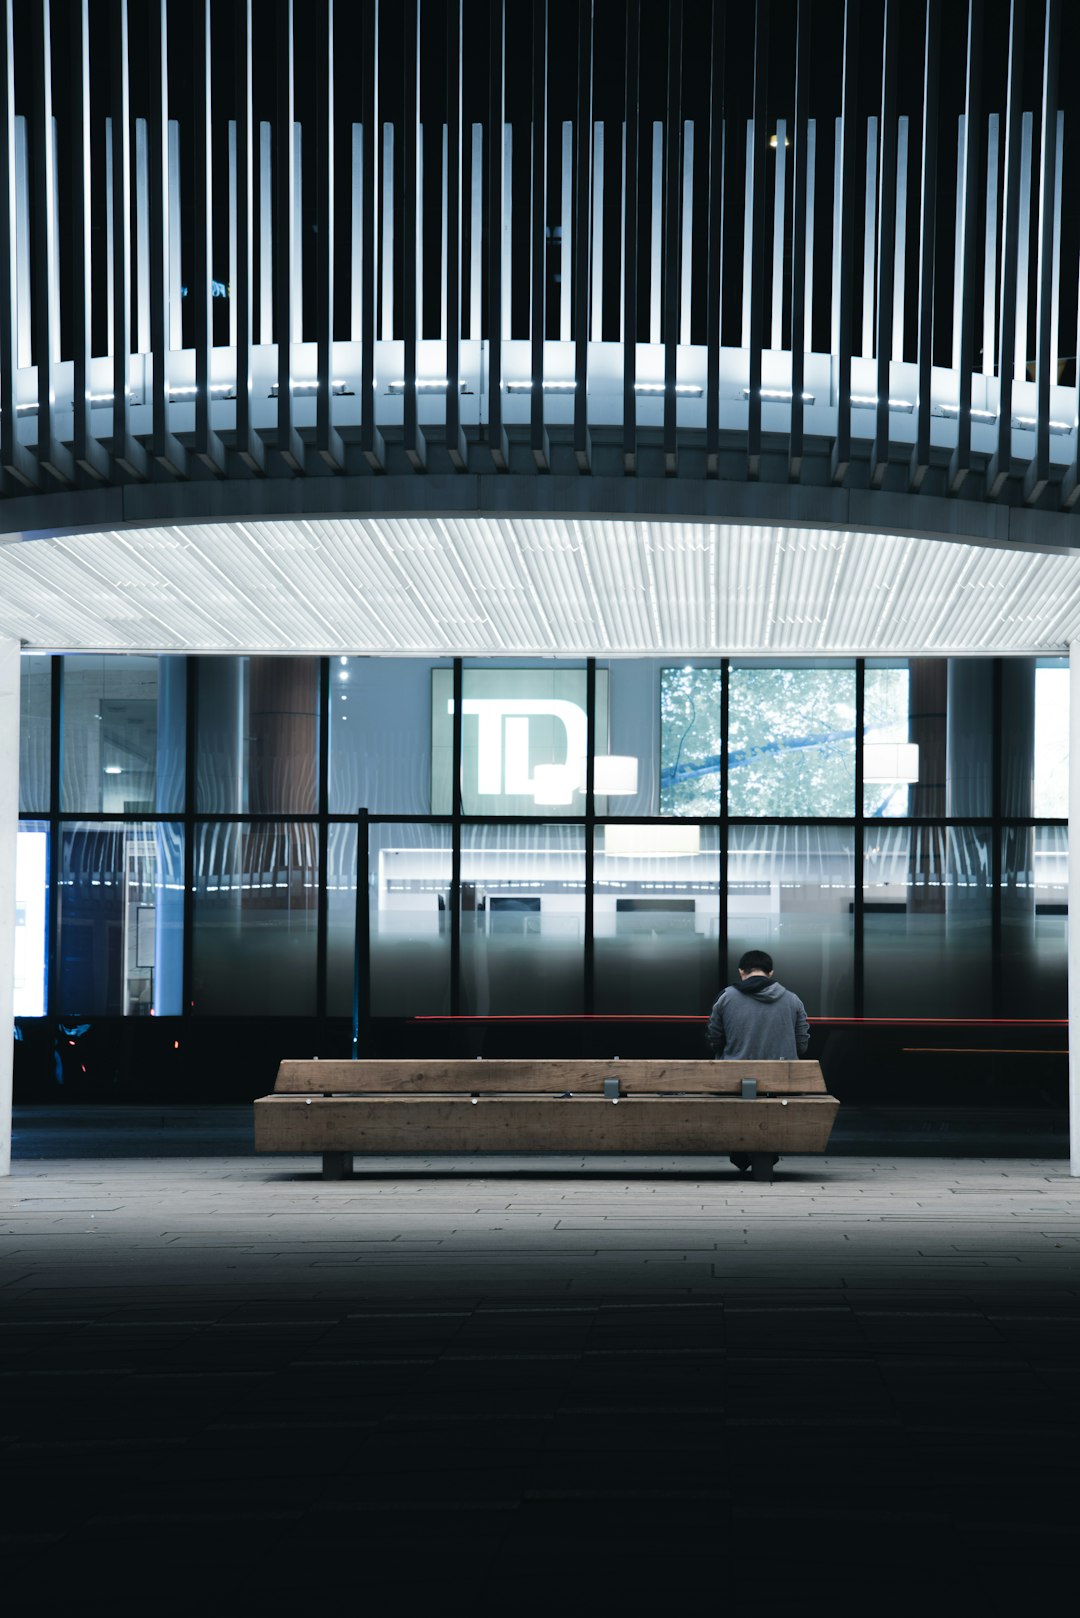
(686, 290)
(142, 239)
(598, 234)
(566, 238)
(900, 246)
(266, 239)
(476, 245)
(1074, 908)
(356, 266)
(387, 280)
(507, 230)
(176, 275)
(656, 248)
(9, 823)
(22, 239)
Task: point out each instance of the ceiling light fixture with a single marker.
(554, 784)
(685, 390)
(869, 401)
(631, 840)
(778, 395)
(615, 775)
(891, 761)
(521, 386)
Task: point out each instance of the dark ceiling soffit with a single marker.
(615, 498)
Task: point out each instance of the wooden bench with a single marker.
(759, 1110)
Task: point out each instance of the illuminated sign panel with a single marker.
(524, 740)
(31, 865)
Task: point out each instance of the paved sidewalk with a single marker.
(538, 1385)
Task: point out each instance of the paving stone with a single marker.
(536, 1387)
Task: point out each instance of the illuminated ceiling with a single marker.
(536, 586)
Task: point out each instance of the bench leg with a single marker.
(337, 1165)
(761, 1165)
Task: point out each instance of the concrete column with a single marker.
(1074, 908)
(9, 825)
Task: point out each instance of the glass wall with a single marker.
(1034, 921)
(791, 748)
(123, 735)
(409, 872)
(928, 924)
(374, 704)
(730, 822)
(255, 919)
(791, 891)
(522, 919)
(1051, 750)
(35, 733)
(258, 735)
(691, 739)
(656, 909)
(121, 918)
(887, 724)
(637, 732)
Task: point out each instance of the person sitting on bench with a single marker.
(757, 1020)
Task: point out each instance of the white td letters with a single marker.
(502, 754)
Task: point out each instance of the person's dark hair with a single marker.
(756, 960)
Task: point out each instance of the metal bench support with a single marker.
(337, 1165)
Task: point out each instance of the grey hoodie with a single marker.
(758, 1020)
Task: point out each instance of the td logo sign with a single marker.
(504, 754)
(524, 739)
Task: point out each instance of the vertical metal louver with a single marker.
(537, 238)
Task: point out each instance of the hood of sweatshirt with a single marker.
(761, 988)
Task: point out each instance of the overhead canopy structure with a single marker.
(537, 585)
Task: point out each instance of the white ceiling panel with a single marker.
(531, 585)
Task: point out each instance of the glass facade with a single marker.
(656, 909)
(791, 746)
(409, 880)
(1034, 920)
(255, 918)
(374, 703)
(120, 908)
(35, 733)
(192, 829)
(1051, 750)
(691, 739)
(928, 921)
(258, 735)
(522, 920)
(123, 735)
(791, 891)
(887, 724)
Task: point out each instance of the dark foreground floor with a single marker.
(539, 1387)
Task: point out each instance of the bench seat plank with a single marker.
(391, 1076)
(509, 1123)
